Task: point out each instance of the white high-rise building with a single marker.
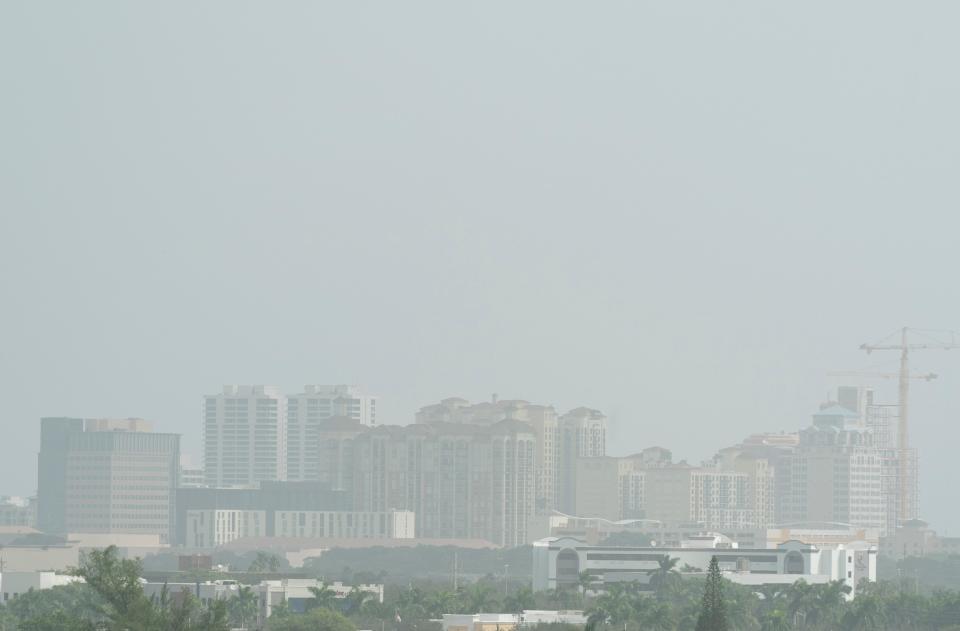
(837, 472)
(306, 411)
(244, 434)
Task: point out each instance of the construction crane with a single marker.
(929, 340)
(926, 376)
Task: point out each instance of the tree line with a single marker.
(112, 598)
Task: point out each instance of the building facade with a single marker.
(559, 562)
(462, 481)
(106, 476)
(837, 473)
(305, 412)
(244, 433)
(582, 434)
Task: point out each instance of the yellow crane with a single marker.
(909, 340)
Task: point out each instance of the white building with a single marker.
(209, 528)
(558, 562)
(307, 410)
(191, 474)
(244, 433)
(15, 584)
(510, 621)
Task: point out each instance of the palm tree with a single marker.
(657, 616)
(481, 598)
(585, 581)
(665, 572)
(243, 606)
(441, 602)
(356, 600)
(521, 599)
(323, 597)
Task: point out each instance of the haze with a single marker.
(681, 214)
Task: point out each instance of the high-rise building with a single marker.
(542, 418)
(837, 472)
(244, 433)
(462, 481)
(582, 434)
(106, 476)
(306, 410)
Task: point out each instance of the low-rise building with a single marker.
(15, 584)
(211, 528)
(915, 538)
(558, 562)
(509, 621)
(18, 511)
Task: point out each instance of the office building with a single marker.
(244, 432)
(106, 476)
(306, 410)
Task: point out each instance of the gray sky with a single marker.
(683, 214)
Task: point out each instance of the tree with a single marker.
(125, 607)
(713, 616)
(519, 600)
(357, 601)
(665, 572)
(313, 620)
(440, 602)
(585, 581)
(323, 597)
(481, 598)
(243, 606)
(265, 562)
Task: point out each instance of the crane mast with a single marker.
(905, 480)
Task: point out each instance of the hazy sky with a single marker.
(683, 214)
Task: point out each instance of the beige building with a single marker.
(541, 418)
(916, 539)
(462, 481)
(837, 473)
(582, 434)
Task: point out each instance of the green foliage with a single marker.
(421, 563)
(243, 607)
(713, 612)
(267, 562)
(315, 620)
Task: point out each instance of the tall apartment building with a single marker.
(582, 434)
(542, 418)
(837, 472)
(461, 481)
(106, 476)
(306, 410)
(244, 433)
